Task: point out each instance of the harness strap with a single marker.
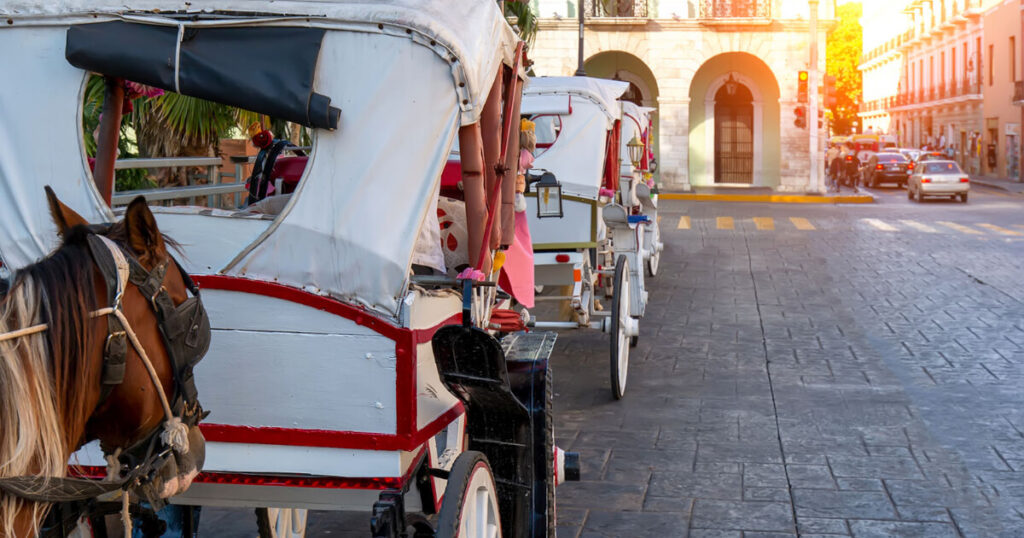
(55, 490)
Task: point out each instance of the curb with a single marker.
(984, 183)
(770, 198)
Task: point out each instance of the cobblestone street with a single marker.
(858, 378)
(801, 370)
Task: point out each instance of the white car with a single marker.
(938, 178)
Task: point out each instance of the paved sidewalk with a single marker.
(1005, 184)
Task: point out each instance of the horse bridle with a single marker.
(185, 329)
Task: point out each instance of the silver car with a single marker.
(938, 178)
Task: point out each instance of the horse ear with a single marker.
(63, 216)
(144, 237)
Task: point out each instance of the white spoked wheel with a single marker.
(281, 522)
(655, 258)
(620, 322)
(469, 508)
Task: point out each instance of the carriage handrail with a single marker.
(166, 162)
(192, 191)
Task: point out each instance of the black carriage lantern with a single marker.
(549, 196)
(636, 151)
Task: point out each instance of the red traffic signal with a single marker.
(801, 86)
(801, 117)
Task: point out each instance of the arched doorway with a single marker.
(734, 134)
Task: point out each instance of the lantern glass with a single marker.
(636, 151)
(549, 197)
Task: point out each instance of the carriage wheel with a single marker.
(549, 448)
(619, 330)
(469, 508)
(281, 522)
(655, 259)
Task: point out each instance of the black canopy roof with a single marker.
(268, 70)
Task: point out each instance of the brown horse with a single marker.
(51, 402)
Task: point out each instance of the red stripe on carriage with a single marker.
(405, 353)
(226, 433)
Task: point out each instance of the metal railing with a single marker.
(192, 192)
(214, 186)
(616, 8)
(727, 9)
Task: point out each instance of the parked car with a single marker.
(938, 178)
(910, 153)
(885, 168)
(931, 156)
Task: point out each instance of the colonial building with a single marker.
(721, 73)
(942, 73)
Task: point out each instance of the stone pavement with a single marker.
(843, 382)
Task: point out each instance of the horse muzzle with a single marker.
(181, 469)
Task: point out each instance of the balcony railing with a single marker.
(616, 8)
(728, 9)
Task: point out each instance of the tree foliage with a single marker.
(843, 54)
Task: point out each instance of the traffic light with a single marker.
(801, 117)
(830, 91)
(821, 116)
(801, 87)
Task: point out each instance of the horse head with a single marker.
(124, 327)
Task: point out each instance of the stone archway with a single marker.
(760, 120)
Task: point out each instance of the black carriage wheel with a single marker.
(469, 481)
(268, 523)
(619, 356)
(549, 448)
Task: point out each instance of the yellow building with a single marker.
(722, 74)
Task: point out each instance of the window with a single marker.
(1013, 59)
(952, 66)
(942, 167)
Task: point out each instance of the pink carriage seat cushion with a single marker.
(289, 169)
(450, 178)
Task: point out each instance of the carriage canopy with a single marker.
(402, 76)
(574, 116)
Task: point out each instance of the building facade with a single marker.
(945, 77)
(721, 73)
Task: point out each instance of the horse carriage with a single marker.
(594, 221)
(349, 368)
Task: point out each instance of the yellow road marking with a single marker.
(659, 219)
(918, 226)
(684, 223)
(801, 223)
(764, 223)
(724, 223)
(999, 229)
(880, 225)
(959, 227)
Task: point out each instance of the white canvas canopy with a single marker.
(577, 155)
(635, 121)
(348, 232)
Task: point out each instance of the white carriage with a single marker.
(590, 237)
(336, 378)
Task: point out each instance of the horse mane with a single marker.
(46, 378)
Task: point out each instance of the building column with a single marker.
(674, 133)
